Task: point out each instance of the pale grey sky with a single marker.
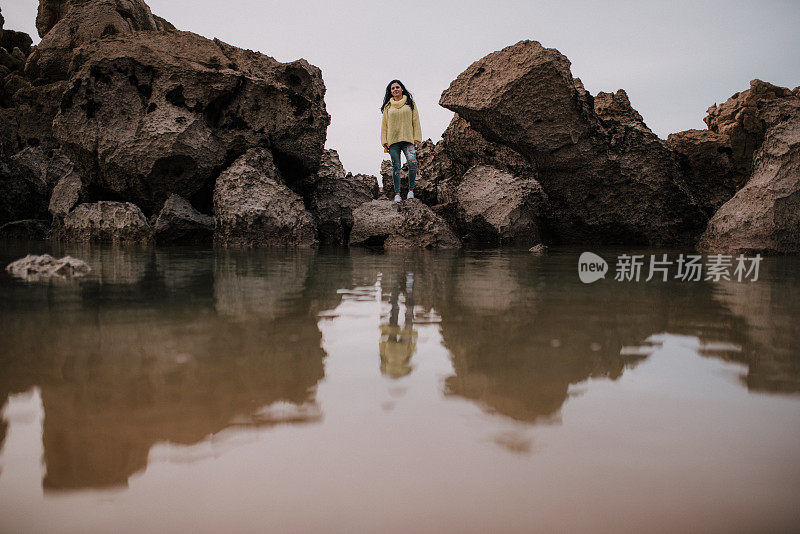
(673, 58)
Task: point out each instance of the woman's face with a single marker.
(396, 90)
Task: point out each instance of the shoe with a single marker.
(410, 194)
(397, 198)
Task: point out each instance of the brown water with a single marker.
(191, 390)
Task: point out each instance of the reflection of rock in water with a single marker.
(522, 329)
(770, 309)
(117, 378)
(259, 283)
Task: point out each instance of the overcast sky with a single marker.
(673, 58)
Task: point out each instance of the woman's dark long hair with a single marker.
(388, 95)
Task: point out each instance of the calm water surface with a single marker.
(193, 390)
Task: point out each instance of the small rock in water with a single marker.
(33, 268)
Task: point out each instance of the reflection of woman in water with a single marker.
(398, 344)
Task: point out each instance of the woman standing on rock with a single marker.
(400, 132)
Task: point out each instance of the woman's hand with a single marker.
(416, 145)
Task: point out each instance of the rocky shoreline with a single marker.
(118, 127)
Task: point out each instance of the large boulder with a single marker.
(410, 224)
(26, 181)
(764, 216)
(608, 181)
(64, 25)
(253, 207)
(105, 221)
(497, 208)
(179, 222)
(156, 113)
(707, 165)
(737, 119)
(335, 196)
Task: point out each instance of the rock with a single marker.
(335, 197)
(411, 225)
(67, 193)
(44, 168)
(117, 222)
(466, 147)
(155, 113)
(21, 41)
(253, 207)
(368, 182)
(64, 25)
(26, 181)
(764, 215)
(607, 181)
(498, 208)
(33, 268)
(30, 113)
(617, 107)
(705, 159)
(179, 222)
(737, 119)
(25, 230)
(538, 249)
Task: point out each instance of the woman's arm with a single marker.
(384, 126)
(417, 127)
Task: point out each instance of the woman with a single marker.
(400, 132)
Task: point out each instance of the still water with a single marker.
(199, 390)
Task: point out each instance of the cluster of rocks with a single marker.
(118, 127)
(531, 157)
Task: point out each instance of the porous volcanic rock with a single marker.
(33, 268)
(25, 230)
(707, 165)
(179, 222)
(27, 180)
(253, 207)
(764, 215)
(737, 118)
(617, 107)
(155, 113)
(607, 181)
(412, 224)
(335, 196)
(106, 221)
(64, 25)
(498, 208)
(67, 193)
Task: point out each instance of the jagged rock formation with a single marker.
(707, 165)
(116, 222)
(179, 222)
(144, 111)
(411, 224)
(33, 268)
(497, 208)
(253, 207)
(336, 194)
(608, 179)
(764, 216)
(737, 119)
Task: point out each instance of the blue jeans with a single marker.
(411, 157)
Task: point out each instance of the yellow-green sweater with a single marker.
(400, 123)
